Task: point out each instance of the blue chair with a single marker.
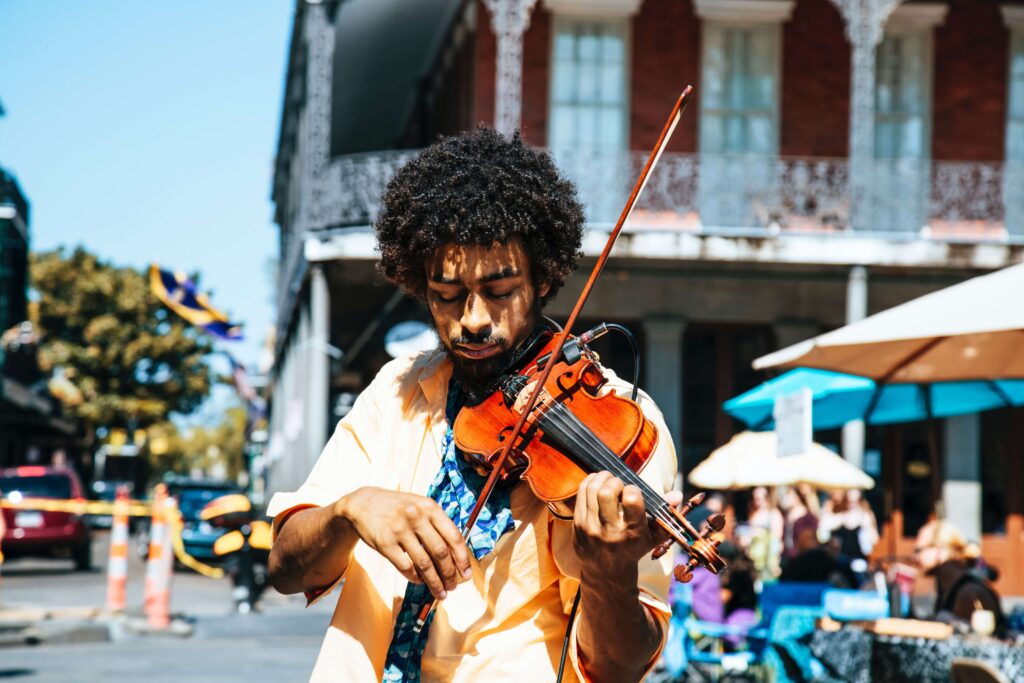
(697, 647)
(787, 657)
(790, 593)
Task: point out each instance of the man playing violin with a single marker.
(484, 230)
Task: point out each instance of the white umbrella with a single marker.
(750, 459)
(970, 331)
(824, 469)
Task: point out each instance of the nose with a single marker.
(476, 320)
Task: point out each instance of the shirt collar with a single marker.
(433, 381)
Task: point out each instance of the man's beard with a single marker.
(479, 378)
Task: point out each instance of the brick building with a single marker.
(840, 157)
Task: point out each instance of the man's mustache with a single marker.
(478, 339)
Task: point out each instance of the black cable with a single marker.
(568, 632)
(636, 388)
(636, 355)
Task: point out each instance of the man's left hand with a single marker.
(611, 531)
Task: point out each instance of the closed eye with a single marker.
(447, 299)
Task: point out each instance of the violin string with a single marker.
(587, 444)
(608, 460)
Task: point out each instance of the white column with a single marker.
(663, 359)
(317, 387)
(509, 21)
(856, 309)
(865, 20)
(961, 486)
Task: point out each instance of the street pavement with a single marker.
(277, 644)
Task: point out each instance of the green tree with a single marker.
(208, 449)
(130, 360)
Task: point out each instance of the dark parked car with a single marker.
(106, 491)
(39, 532)
(198, 536)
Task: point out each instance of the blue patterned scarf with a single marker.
(455, 489)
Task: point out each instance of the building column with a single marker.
(865, 20)
(318, 366)
(961, 486)
(509, 21)
(663, 358)
(856, 309)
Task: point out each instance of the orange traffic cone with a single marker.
(117, 566)
(158, 579)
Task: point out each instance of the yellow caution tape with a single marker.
(177, 523)
(78, 507)
(135, 509)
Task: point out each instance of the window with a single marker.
(739, 103)
(738, 123)
(1015, 120)
(902, 96)
(1013, 177)
(588, 90)
(901, 178)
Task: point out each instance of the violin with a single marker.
(576, 427)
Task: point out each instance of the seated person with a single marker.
(959, 588)
(817, 563)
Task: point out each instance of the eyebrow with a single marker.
(505, 272)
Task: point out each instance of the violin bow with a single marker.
(638, 188)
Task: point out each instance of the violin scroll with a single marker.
(704, 551)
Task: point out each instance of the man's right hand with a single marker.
(412, 532)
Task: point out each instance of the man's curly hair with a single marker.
(479, 188)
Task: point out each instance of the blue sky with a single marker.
(145, 130)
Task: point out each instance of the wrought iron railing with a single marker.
(970, 201)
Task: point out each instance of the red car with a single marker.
(42, 533)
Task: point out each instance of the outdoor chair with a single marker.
(787, 655)
(697, 650)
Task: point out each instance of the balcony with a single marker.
(746, 195)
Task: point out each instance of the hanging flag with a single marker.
(240, 380)
(180, 295)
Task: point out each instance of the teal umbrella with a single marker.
(839, 398)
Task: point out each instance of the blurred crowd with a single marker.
(798, 535)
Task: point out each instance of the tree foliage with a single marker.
(210, 450)
(131, 360)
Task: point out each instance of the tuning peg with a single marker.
(692, 503)
(662, 548)
(684, 572)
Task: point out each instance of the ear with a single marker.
(542, 289)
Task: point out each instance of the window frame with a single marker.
(559, 21)
(927, 35)
(775, 28)
(1016, 44)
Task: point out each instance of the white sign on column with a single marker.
(793, 428)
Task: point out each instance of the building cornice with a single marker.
(745, 11)
(597, 9)
(1013, 17)
(917, 17)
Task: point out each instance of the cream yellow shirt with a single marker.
(505, 624)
